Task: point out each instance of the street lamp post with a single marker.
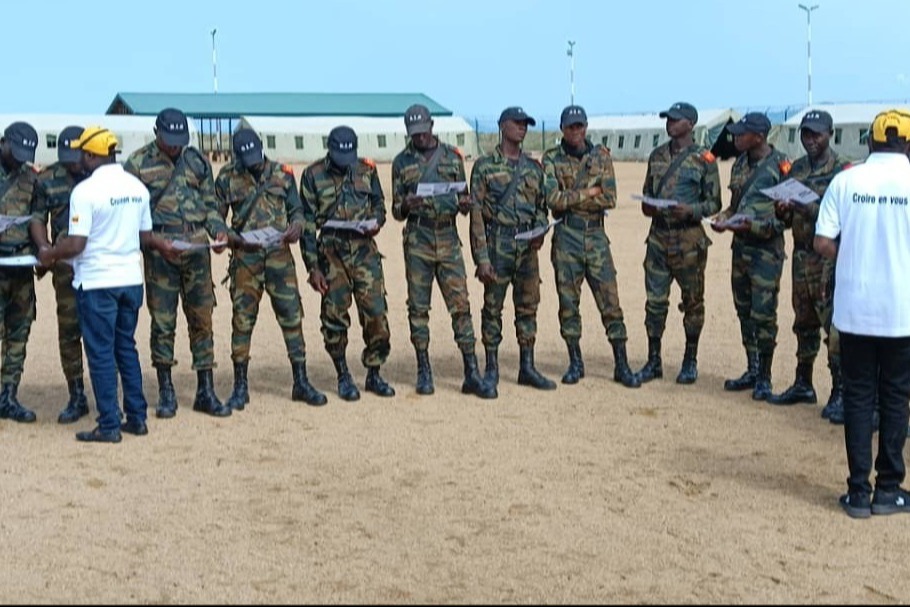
(571, 53)
(809, 10)
(214, 61)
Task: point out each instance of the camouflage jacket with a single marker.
(490, 179)
(52, 198)
(407, 171)
(276, 203)
(567, 176)
(17, 189)
(327, 193)
(750, 201)
(188, 198)
(695, 182)
(816, 179)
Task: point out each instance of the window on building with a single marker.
(655, 141)
(837, 136)
(605, 141)
(622, 141)
(51, 142)
(298, 142)
(864, 136)
(791, 137)
(637, 141)
(270, 142)
(380, 141)
(459, 139)
(325, 142)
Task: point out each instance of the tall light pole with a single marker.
(214, 61)
(809, 10)
(571, 53)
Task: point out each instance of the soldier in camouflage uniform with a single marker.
(344, 262)
(509, 198)
(52, 203)
(813, 275)
(758, 248)
(179, 179)
(432, 249)
(580, 187)
(17, 284)
(263, 194)
(677, 246)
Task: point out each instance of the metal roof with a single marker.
(234, 105)
(849, 113)
(324, 124)
(632, 122)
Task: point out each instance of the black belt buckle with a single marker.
(434, 224)
(580, 223)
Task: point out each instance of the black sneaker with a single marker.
(856, 505)
(135, 427)
(99, 436)
(890, 502)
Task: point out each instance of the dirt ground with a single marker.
(590, 494)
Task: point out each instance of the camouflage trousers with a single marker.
(353, 269)
(579, 255)
(435, 254)
(189, 280)
(69, 335)
(755, 278)
(515, 264)
(679, 254)
(813, 281)
(271, 271)
(17, 311)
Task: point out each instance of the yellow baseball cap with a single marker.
(96, 140)
(896, 119)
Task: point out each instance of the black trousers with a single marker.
(870, 365)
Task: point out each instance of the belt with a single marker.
(434, 224)
(342, 234)
(183, 228)
(580, 223)
(663, 224)
(498, 228)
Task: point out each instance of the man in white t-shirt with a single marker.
(864, 221)
(109, 222)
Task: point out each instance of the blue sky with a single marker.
(474, 57)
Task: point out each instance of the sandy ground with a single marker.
(593, 493)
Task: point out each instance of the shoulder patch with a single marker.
(604, 150)
(459, 152)
(785, 166)
(708, 157)
(286, 168)
(369, 162)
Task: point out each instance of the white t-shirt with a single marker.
(868, 206)
(109, 208)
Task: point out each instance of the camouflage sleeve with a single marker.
(214, 223)
(710, 193)
(607, 182)
(377, 198)
(221, 194)
(647, 188)
(131, 165)
(558, 200)
(309, 202)
(478, 232)
(40, 212)
(399, 192)
(542, 216)
(765, 223)
(292, 204)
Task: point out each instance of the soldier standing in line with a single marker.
(758, 248)
(345, 263)
(17, 283)
(432, 249)
(677, 249)
(263, 194)
(580, 186)
(508, 192)
(179, 179)
(52, 203)
(813, 275)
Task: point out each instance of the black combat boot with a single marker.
(654, 368)
(206, 399)
(303, 390)
(77, 407)
(621, 371)
(747, 379)
(801, 391)
(376, 384)
(347, 389)
(167, 397)
(11, 408)
(491, 372)
(424, 373)
(762, 389)
(473, 382)
(836, 399)
(528, 375)
(576, 368)
(688, 372)
(240, 395)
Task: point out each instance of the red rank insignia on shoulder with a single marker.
(785, 166)
(288, 169)
(708, 157)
